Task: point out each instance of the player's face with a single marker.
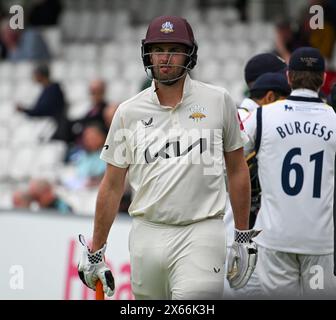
(168, 60)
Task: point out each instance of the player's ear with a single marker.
(270, 97)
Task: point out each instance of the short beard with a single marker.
(170, 82)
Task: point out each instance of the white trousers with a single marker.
(252, 290)
(177, 262)
(291, 275)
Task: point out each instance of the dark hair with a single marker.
(96, 124)
(42, 69)
(259, 94)
(312, 80)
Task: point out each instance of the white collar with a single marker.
(304, 93)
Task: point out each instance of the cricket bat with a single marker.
(99, 290)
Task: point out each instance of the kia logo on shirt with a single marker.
(176, 150)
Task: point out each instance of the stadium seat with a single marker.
(23, 70)
(22, 157)
(78, 109)
(69, 23)
(26, 92)
(76, 90)
(119, 90)
(110, 71)
(52, 36)
(58, 69)
(6, 90)
(48, 160)
(110, 52)
(133, 70)
(103, 30)
(5, 159)
(6, 70)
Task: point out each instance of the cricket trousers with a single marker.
(291, 275)
(177, 262)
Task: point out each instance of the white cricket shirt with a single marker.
(249, 104)
(296, 172)
(175, 155)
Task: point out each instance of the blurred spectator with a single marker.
(51, 103)
(241, 6)
(8, 38)
(324, 39)
(109, 113)
(3, 49)
(44, 12)
(26, 44)
(290, 36)
(2, 11)
(89, 168)
(43, 193)
(95, 114)
(89, 165)
(331, 99)
(330, 80)
(21, 199)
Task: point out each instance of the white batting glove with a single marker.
(242, 258)
(92, 267)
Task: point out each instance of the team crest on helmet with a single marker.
(167, 27)
(197, 113)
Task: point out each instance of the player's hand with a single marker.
(242, 258)
(92, 267)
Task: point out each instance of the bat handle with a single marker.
(99, 290)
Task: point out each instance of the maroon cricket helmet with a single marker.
(170, 29)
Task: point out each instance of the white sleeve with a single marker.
(250, 126)
(116, 150)
(234, 136)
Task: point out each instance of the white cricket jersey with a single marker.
(175, 155)
(249, 104)
(296, 173)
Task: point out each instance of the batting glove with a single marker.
(92, 267)
(242, 258)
